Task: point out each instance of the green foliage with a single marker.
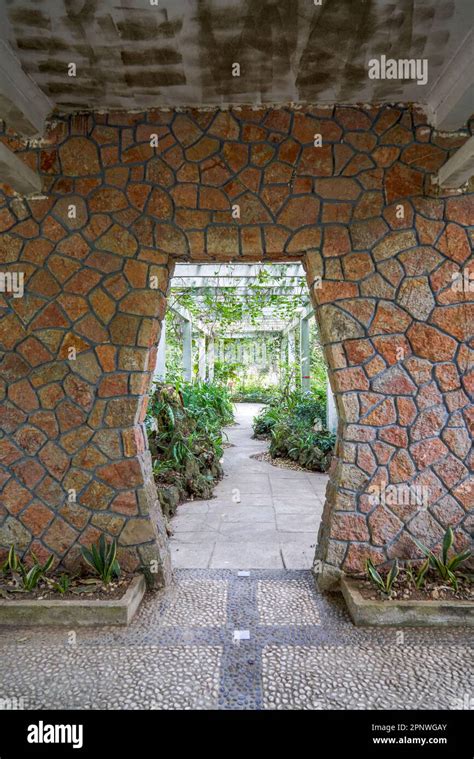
(103, 559)
(253, 393)
(444, 565)
(224, 371)
(384, 584)
(12, 562)
(265, 421)
(63, 584)
(185, 435)
(418, 577)
(222, 308)
(25, 576)
(211, 400)
(295, 421)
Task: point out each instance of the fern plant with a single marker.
(385, 585)
(103, 559)
(445, 566)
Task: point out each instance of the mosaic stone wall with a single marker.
(346, 190)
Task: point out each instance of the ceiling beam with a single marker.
(17, 174)
(23, 106)
(452, 96)
(459, 168)
(251, 271)
(241, 287)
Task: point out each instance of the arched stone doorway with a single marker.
(347, 190)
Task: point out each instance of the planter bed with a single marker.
(83, 611)
(402, 613)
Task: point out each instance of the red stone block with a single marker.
(402, 182)
(461, 210)
(336, 241)
(338, 188)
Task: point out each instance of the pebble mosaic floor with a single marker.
(218, 639)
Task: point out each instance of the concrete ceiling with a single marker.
(131, 54)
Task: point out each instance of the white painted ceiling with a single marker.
(131, 54)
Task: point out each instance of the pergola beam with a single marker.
(23, 106)
(306, 312)
(187, 316)
(240, 285)
(459, 168)
(249, 271)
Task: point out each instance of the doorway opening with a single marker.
(242, 421)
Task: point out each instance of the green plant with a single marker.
(384, 584)
(418, 577)
(31, 576)
(185, 422)
(103, 559)
(295, 421)
(12, 562)
(445, 566)
(62, 584)
(26, 576)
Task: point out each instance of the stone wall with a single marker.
(348, 191)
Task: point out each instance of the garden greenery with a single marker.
(294, 420)
(30, 574)
(185, 436)
(445, 565)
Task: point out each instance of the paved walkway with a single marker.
(262, 517)
(220, 639)
(217, 640)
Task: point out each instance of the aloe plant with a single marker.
(418, 577)
(445, 566)
(63, 584)
(31, 577)
(26, 578)
(12, 562)
(103, 559)
(384, 585)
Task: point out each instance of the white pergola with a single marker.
(244, 279)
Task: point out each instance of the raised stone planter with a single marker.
(397, 613)
(118, 611)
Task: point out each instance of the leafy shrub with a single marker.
(103, 559)
(253, 394)
(264, 422)
(185, 436)
(295, 421)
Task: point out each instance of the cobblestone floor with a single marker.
(220, 640)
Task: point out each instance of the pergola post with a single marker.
(305, 356)
(160, 370)
(291, 354)
(210, 358)
(201, 357)
(187, 351)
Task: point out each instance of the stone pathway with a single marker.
(241, 638)
(217, 640)
(262, 517)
